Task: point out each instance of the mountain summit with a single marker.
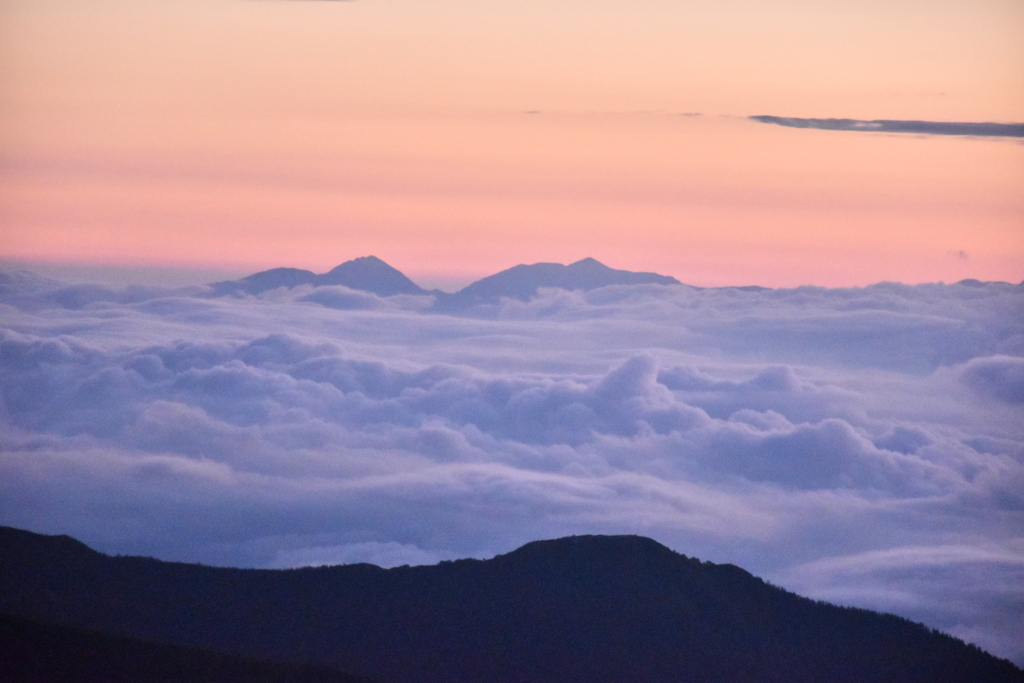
(594, 609)
(366, 273)
(522, 281)
(371, 274)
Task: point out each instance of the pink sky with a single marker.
(243, 134)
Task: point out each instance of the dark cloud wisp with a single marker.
(979, 129)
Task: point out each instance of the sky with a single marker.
(855, 434)
(454, 139)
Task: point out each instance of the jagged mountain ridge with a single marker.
(588, 608)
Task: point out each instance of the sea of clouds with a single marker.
(864, 446)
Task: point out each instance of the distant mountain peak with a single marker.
(370, 274)
(366, 273)
(523, 281)
(588, 262)
(367, 262)
(280, 277)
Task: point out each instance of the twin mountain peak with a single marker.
(371, 274)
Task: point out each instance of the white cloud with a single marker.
(389, 554)
(998, 377)
(852, 444)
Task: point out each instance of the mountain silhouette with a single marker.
(522, 281)
(366, 273)
(587, 608)
(371, 274)
(34, 652)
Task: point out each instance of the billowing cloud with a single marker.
(862, 445)
(983, 129)
(916, 580)
(1000, 377)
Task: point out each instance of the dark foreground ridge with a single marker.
(587, 608)
(34, 652)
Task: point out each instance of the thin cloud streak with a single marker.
(1008, 130)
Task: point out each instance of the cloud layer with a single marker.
(861, 445)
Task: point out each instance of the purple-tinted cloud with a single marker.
(998, 377)
(802, 434)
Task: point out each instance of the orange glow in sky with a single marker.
(457, 138)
